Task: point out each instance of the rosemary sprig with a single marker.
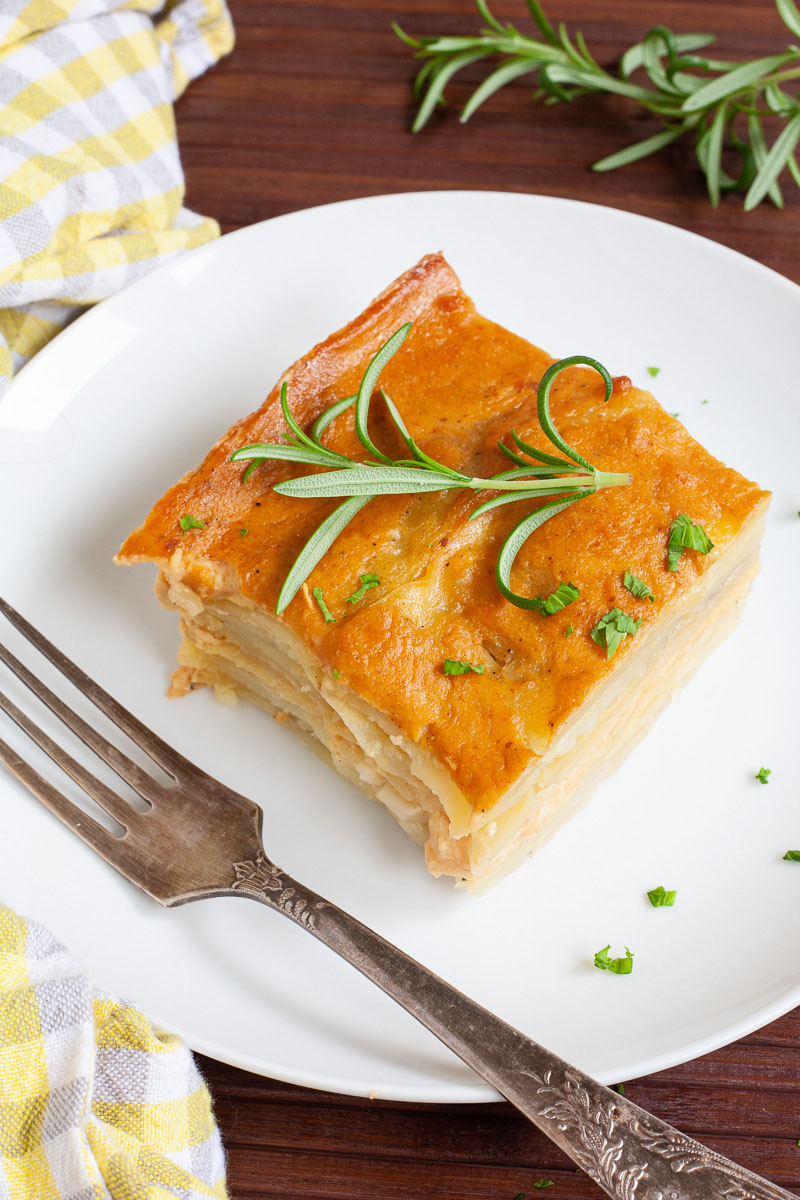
(536, 474)
(720, 105)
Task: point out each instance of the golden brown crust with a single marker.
(461, 382)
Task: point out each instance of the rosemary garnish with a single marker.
(536, 474)
(720, 105)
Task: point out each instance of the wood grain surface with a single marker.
(313, 106)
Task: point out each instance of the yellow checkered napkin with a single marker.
(95, 1104)
(91, 185)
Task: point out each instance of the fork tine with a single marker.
(128, 770)
(167, 758)
(94, 787)
(85, 826)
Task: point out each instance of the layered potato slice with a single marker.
(479, 768)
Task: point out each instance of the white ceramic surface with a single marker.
(137, 390)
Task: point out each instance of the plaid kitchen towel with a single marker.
(91, 185)
(95, 1104)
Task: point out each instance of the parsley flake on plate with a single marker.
(685, 534)
(612, 629)
(337, 674)
(564, 594)
(763, 774)
(792, 856)
(660, 898)
(367, 582)
(543, 1183)
(323, 608)
(452, 666)
(188, 521)
(653, 371)
(568, 632)
(620, 966)
(637, 587)
(620, 1087)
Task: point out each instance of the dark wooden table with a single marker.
(314, 106)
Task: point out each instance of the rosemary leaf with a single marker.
(367, 386)
(640, 149)
(789, 15)
(367, 480)
(316, 546)
(774, 163)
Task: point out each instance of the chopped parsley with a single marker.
(243, 532)
(620, 1087)
(452, 666)
(684, 534)
(564, 594)
(661, 898)
(792, 856)
(653, 371)
(612, 629)
(543, 1183)
(637, 587)
(762, 775)
(367, 582)
(323, 608)
(620, 966)
(187, 522)
(568, 632)
(337, 674)
(704, 402)
(675, 414)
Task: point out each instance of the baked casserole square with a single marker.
(479, 767)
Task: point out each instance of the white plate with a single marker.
(132, 395)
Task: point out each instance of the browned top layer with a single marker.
(461, 382)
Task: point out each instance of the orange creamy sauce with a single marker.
(461, 383)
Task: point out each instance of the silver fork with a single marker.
(199, 838)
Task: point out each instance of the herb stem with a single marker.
(574, 482)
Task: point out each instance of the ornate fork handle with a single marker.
(627, 1152)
